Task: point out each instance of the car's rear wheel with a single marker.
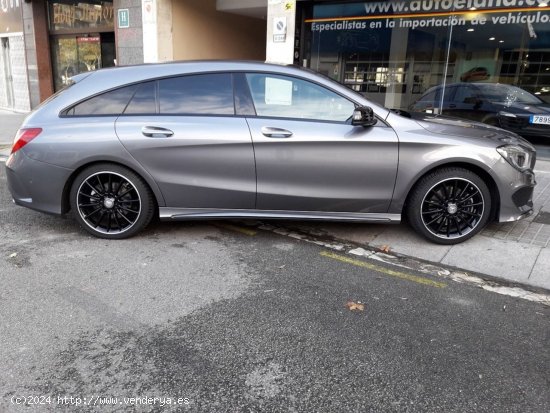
(110, 201)
(449, 205)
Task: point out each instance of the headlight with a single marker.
(516, 156)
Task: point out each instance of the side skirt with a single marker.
(167, 214)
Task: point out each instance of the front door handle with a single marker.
(276, 132)
(156, 132)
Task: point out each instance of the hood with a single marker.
(444, 125)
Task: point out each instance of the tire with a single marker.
(449, 205)
(110, 201)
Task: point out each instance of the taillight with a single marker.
(23, 137)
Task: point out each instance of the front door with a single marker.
(308, 155)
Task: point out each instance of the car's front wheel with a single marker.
(449, 205)
(110, 201)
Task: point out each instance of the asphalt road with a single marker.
(233, 319)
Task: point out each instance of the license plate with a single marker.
(545, 120)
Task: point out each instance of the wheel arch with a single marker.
(65, 196)
(482, 173)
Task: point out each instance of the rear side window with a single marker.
(209, 94)
(109, 103)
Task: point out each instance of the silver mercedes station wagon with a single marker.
(212, 140)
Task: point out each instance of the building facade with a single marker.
(45, 42)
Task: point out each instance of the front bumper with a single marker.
(516, 191)
(36, 185)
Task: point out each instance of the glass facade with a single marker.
(436, 55)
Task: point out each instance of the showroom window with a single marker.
(393, 52)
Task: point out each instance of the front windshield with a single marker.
(507, 94)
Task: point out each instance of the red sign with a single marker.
(94, 39)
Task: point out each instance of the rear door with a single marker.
(184, 131)
(308, 155)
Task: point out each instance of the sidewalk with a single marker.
(517, 252)
(9, 123)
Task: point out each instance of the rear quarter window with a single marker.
(109, 103)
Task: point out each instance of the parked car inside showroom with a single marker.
(212, 140)
(506, 106)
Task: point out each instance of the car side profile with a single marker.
(222, 139)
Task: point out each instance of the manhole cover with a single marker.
(542, 218)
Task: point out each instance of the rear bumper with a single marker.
(36, 185)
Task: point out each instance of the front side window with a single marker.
(288, 97)
(209, 94)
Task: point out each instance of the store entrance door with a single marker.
(76, 54)
(8, 78)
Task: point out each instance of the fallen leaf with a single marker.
(13, 255)
(385, 248)
(355, 306)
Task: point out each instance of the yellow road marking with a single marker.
(235, 228)
(377, 268)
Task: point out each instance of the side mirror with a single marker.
(363, 116)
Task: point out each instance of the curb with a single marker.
(480, 280)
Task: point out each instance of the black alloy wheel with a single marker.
(449, 205)
(110, 201)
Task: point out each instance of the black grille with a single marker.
(513, 123)
(523, 196)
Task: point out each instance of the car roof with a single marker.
(92, 83)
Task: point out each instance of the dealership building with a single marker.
(391, 51)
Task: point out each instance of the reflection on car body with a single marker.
(252, 140)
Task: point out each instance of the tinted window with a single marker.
(210, 94)
(109, 103)
(288, 97)
(465, 94)
(144, 100)
(428, 97)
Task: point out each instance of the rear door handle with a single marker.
(452, 106)
(276, 132)
(156, 132)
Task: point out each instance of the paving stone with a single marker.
(505, 259)
(541, 272)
